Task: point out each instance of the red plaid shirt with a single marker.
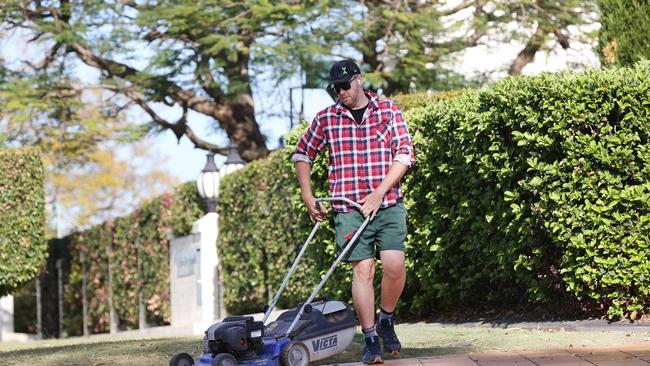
(359, 155)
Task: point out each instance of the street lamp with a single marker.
(207, 183)
(233, 161)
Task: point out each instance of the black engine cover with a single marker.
(237, 335)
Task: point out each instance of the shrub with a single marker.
(624, 36)
(262, 227)
(534, 191)
(23, 248)
(145, 233)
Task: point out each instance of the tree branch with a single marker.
(179, 128)
(49, 58)
(186, 97)
(527, 54)
(457, 8)
(130, 3)
(562, 38)
(203, 74)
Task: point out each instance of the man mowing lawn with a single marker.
(370, 150)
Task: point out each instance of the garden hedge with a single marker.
(144, 233)
(624, 35)
(536, 190)
(261, 229)
(532, 192)
(23, 248)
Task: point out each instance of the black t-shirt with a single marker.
(358, 114)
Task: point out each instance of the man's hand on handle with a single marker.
(371, 204)
(317, 211)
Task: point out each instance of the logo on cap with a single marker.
(344, 71)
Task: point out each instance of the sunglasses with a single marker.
(345, 86)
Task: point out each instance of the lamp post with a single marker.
(233, 161)
(207, 183)
(209, 280)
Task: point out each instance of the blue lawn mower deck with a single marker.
(312, 331)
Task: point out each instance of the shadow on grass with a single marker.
(353, 353)
(112, 352)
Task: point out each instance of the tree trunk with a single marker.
(240, 110)
(245, 131)
(527, 55)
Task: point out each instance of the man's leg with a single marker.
(363, 292)
(363, 295)
(392, 284)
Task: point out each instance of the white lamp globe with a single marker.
(233, 161)
(207, 183)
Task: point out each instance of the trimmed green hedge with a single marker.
(421, 99)
(534, 191)
(23, 248)
(262, 227)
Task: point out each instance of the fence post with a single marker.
(142, 313)
(113, 321)
(84, 300)
(39, 309)
(59, 293)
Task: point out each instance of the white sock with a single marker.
(385, 315)
(369, 332)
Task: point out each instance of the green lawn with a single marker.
(419, 340)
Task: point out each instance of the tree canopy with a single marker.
(204, 56)
(77, 130)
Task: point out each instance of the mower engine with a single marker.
(240, 336)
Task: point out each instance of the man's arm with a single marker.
(309, 145)
(372, 202)
(316, 211)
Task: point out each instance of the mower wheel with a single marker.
(224, 359)
(295, 354)
(181, 359)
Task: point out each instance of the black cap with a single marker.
(343, 71)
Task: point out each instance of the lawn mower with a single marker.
(312, 331)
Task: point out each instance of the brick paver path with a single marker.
(629, 355)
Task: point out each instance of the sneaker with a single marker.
(386, 330)
(372, 351)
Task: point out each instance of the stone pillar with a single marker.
(6, 317)
(184, 272)
(206, 228)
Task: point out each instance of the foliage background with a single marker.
(624, 36)
(145, 234)
(530, 193)
(23, 248)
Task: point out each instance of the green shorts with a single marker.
(387, 231)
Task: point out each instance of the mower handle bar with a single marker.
(267, 313)
(346, 200)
